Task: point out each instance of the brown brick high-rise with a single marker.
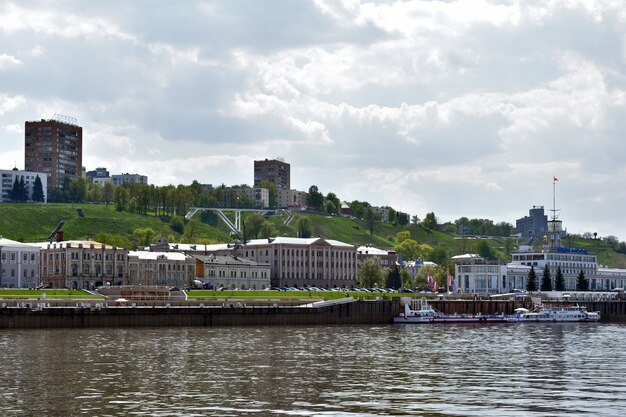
(54, 147)
(275, 171)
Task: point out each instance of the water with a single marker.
(498, 370)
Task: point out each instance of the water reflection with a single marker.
(517, 370)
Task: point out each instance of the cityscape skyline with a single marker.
(457, 108)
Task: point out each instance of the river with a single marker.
(454, 370)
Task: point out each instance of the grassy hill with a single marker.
(35, 222)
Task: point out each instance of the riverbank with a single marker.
(67, 314)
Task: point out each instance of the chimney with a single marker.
(60, 236)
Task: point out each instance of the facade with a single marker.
(82, 264)
(54, 147)
(414, 267)
(232, 272)
(8, 177)
(571, 261)
(383, 212)
(475, 274)
(275, 171)
(260, 197)
(129, 178)
(387, 258)
(292, 198)
(305, 262)
(98, 173)
(20, 264)
(533, 225)
(170, 269)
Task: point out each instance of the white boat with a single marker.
(419, 311)
(557, 313)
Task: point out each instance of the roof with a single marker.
(296, 241)
(15, 244)
(467, 256)
(228, 260)
(368, 250)
(74, 244)
(198, 247)
(170, 256)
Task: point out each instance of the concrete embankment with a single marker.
(40, 315)
(228, 314)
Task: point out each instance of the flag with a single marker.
(555, 179)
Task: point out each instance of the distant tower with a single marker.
(555, 226)
(276, 171)
(54, 147)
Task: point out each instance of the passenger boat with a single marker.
(419, 311)
(556, 313)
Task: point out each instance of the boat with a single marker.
(555, 313)
(419, 311)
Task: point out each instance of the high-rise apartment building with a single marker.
(54, 147)
(275, 171)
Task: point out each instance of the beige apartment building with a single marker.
(82, 264)
(300, 262)
(292, 198)
(170, 269)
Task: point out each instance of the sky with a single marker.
(464, 108)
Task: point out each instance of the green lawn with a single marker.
(283, 295)
(50, 294)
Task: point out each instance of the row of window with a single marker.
(13, 256)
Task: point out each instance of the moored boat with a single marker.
(556, 313)
(419, 311)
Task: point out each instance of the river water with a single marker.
(464, 370)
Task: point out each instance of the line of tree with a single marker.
(21, 193)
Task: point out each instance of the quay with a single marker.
(71, 314)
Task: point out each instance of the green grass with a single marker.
(284, 295)
(50, 294)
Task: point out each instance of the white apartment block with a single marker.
(259, 196)
(129, 178)
(475, 274)
(20, 264)
(7, 179)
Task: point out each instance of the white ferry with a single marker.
(560, 313)
(419, 311)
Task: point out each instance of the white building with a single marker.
(260, 197)
(292, 198)
(383, 212)
(129, 178)
(8, 177)
(414, 267)
(233, 272)
(20, 264)
(171, 269)
(475, 274)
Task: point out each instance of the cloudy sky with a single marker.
(464, 108)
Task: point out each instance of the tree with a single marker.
(271, 188)
(430, 221)
(336, 204)
(403, 218)
(415, 220)
(393, 279)
(254, 225)
(546, 279)
(144, 236)
(121, 198)
(559, 282)
(304, 226)
(406, 279)
(316, 198)
(484, 249)
(581, 282)
(371, 273)
(531, 283)
(38, 195)
(108, 191)
(371, 217)
(177, 225)
(438, 255)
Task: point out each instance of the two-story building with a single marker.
(232, 272)
(170, 269)
(20, 264)
(84, 264)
